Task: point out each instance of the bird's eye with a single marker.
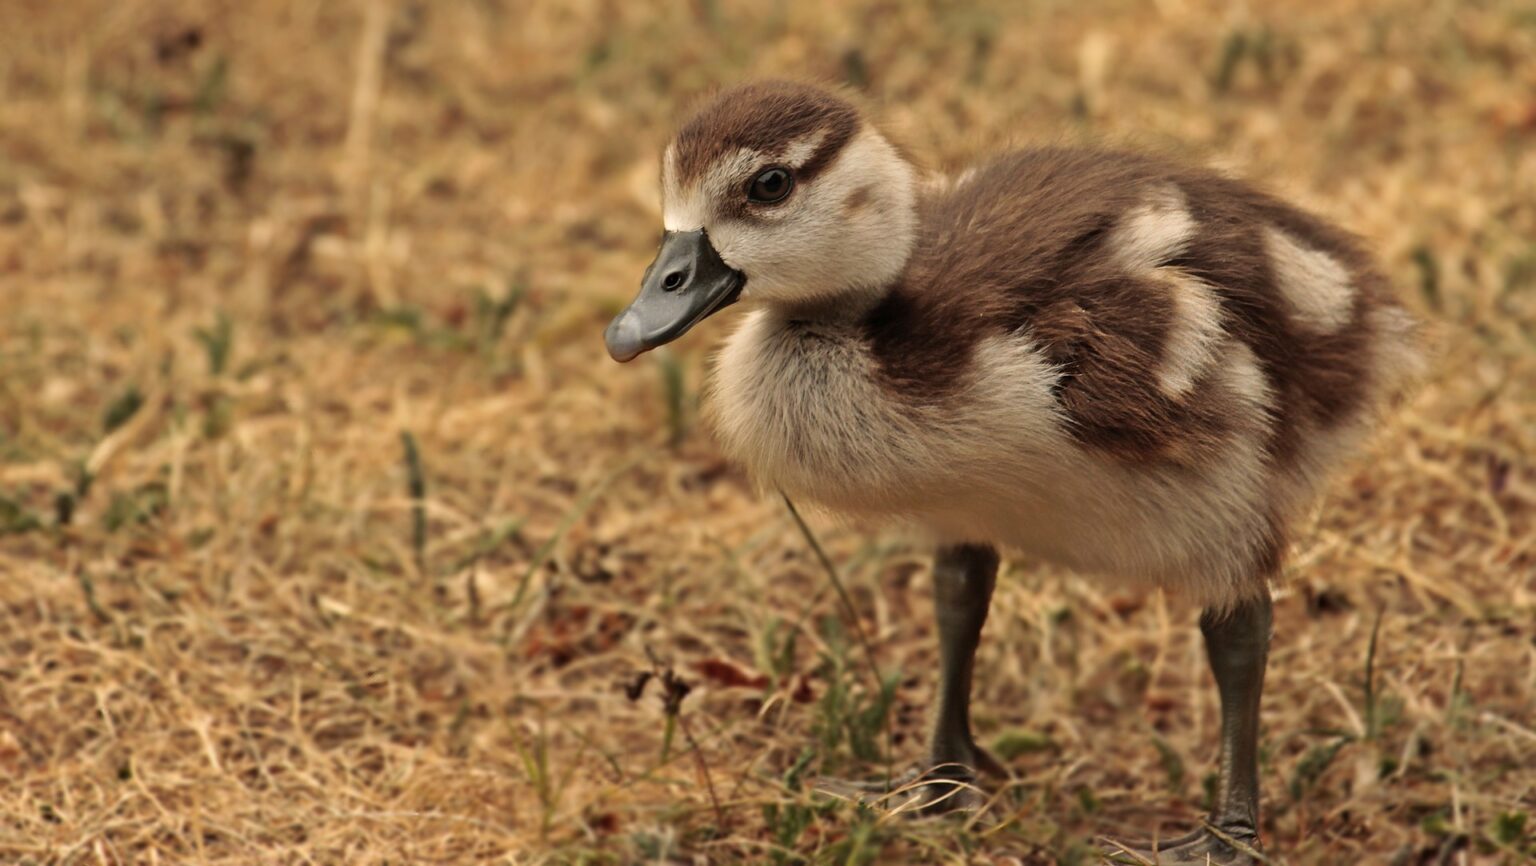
(770, 186)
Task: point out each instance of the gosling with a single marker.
(1105, 360)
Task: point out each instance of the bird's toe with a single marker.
(1206, 847)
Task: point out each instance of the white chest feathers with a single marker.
(802, 407)
(798, 405)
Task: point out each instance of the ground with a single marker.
(330, 534)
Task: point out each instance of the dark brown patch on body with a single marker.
(1022, 247)
(765, 116)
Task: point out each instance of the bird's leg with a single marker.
(963, 577)
(1237, 646)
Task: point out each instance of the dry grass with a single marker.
(246, 246)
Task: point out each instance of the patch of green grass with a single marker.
(64, 501)
(218, 418)
(416, 485)
(124, 406)
(88, 591)
(864, 841)
(1018, 742)
(487, 543)
(674, 390)
(212, 85)
(1173, 764)
(1520, 271)
(1261, 48)
(775, 651)
(1512, 830)
(491, 315)
(1313, 764)
(849, 714)
(16, 518)
(786, 822)
(217, 342)
(137, 506)
(414, 325)
(1429, 276)
(1088, 801)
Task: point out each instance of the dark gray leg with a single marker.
(963, 578)
(1237, 645)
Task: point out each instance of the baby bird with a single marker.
(1105, 360)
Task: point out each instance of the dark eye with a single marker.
(771, 186)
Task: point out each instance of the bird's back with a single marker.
(1137, 277)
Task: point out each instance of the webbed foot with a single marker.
(1209, 845)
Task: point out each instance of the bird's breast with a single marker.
(801, 406)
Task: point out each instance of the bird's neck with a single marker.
(846, 308)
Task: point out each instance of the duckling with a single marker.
(1101, 359)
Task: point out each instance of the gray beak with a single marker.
(686, 283)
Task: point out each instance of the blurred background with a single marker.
(329, 533)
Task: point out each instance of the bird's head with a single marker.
(778, 193)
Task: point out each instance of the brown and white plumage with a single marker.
(1107, 360)
(1101, 358)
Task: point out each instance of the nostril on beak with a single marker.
(674, 281)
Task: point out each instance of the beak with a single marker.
(687, 282)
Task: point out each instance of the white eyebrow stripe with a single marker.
(802, 149)
(683, 213)
(681, 209)
(686, 209)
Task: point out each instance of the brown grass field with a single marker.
(330, 534)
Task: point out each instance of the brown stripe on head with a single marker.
(766, 117)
